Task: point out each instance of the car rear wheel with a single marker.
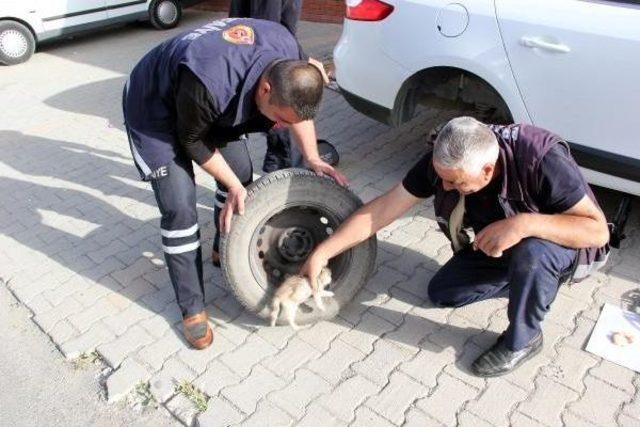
(288, 213)
(17, 43)
(165, 14)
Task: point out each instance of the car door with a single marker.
(577, 66)
(116, 8)
(61, 15)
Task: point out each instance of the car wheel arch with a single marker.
(17, 43)
(449, 88)
(22, 22)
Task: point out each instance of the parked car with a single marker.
(570, 66)
(26, 23)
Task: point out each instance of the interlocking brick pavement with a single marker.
(79, 247)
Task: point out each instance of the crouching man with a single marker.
(536, 224)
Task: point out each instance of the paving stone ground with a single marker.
(80, 248)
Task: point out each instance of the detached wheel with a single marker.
(17, 43)
(165, 14)
(287, 214)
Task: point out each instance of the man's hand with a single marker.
(320, 67)
(322, 168)
(235, 203)
(311, 268)
(496, 238)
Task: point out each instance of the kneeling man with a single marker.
(535, 220)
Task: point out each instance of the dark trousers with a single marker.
(176, 197)
(174, 187)
(175, 192)
(529, 274)
(286, 12)
(281, 153)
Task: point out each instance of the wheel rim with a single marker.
(167, 12)
(13, 43)
(281, 243)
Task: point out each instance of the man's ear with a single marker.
(487, 170)
(265, 88)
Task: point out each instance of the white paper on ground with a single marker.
(613, 320)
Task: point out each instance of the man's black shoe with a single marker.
(499, 360)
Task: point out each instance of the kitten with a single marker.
(296, 290)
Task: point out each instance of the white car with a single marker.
(25, 23)
(570, 66)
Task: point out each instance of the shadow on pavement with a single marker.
(102, 95)
(63, 207)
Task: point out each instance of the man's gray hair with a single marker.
(465, 143)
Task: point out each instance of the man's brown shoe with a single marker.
(197, 330)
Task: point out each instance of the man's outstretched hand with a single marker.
(312, 267)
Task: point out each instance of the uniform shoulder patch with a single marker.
(239, 34)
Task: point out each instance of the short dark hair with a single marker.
(296, 84)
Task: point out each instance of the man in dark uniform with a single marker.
(190, 99)
(535, 219)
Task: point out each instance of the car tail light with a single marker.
(368, 10)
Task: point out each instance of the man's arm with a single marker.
(195, 114)
(569, 216)
(304, 134)
(361, 225)
(582, 226)
(236, 193)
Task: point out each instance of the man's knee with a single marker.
(532, 255)
(439, 292)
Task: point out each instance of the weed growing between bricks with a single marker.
(194, 394)
(141, 397)
(86, 359)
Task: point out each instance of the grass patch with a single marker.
(86, 359)
(191, 392)
(142, 395)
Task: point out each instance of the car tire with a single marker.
(287, 213)
(17, 43)
(165, 14)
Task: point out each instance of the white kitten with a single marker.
(296, 290)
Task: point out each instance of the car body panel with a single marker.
(374, 59)
(590, 94)
(25, 11)
(58, 15)
(118, 8)
(49, 19)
